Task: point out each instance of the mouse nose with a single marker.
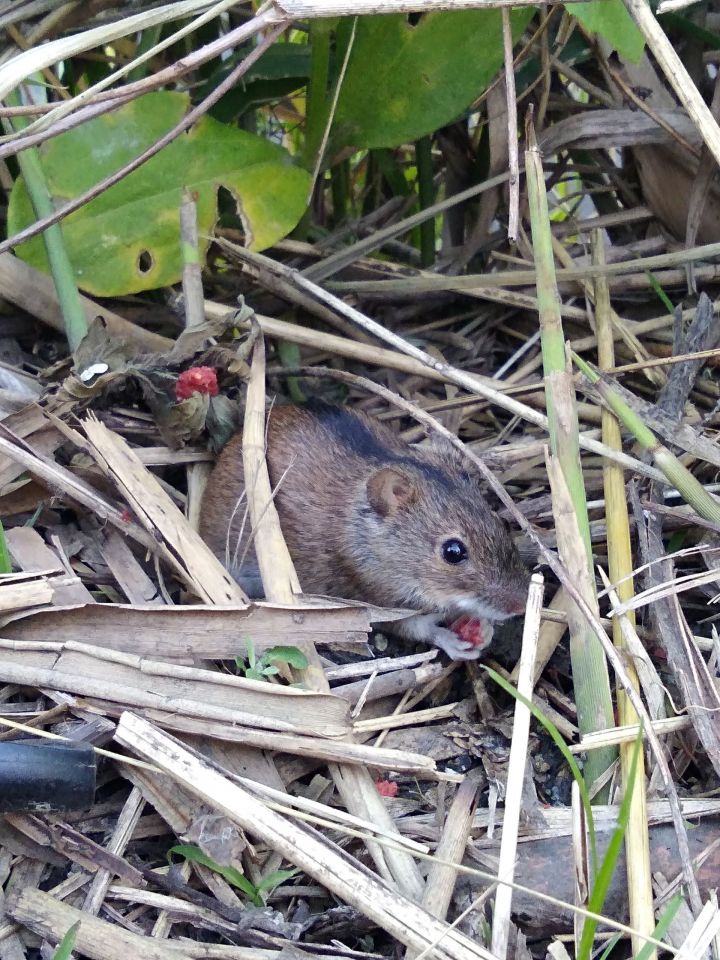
(512, 601)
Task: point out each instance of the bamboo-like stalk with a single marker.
(524, 278)
(619, 328)
(677, 474)
(279, 579)
(74, 320)
(316, 108)
(620, 563)
(590, 674)
(280, 582)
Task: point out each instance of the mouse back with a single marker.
(368, 517)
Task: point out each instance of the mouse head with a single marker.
(434, 541)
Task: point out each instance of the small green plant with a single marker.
(254, 668)
(5, 561)
(257, 894)
(66, 945)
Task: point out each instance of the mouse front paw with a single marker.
(466, 639)
(454, 646)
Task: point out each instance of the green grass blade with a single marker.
(604, 875)
(563, 748)
(231, 874)
(661, 927)
(5, 561)
(67, 944)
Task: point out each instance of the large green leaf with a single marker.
(405, 81)
(127, 239)
(612, 21)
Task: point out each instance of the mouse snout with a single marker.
(516, 606)
(511, 600)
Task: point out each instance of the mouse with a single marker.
(368, 517)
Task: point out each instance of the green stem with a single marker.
(426, 196)
(63, 275)
(318, 101)
(590, 674)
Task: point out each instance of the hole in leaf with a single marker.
(145, 261)
(414, 19)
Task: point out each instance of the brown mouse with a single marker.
(368, 517)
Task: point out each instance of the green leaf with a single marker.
(290, 655)
(66, 945)
(231, 874)
(612, 21)
(251, 658)
(127, 239)
(5, 561)
(661, 927)
(404, 81)
(274, 879)
(661, 295)
(281, 70)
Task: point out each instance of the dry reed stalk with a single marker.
(396, 721)
(617, 326)
(99, 939)
(432, 367)
(638, 267)
(282, 586)
(441, 877)
(516, 770)
(176, 632)
(128, 680)
(310, 9)
(629, 734)
(318, 857)
(180, 544)
(652, 686)
(550, 635)
(280, 582)
(125, 826)
(320, 748)
(24, 65)
(677, 75)
(620, 566)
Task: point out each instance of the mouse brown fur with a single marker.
(367, 517)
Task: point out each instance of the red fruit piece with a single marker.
(196, 380)
(386, 788)
(470, 631)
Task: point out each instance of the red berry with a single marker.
(386, 788)
(196, 380)
(470, 631)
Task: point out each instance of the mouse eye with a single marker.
(454, 551)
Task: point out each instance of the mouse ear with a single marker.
(390, 490)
